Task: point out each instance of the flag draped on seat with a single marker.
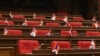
(65, 19)
(96, 25)
(56, 49)
(33, 33)
(25, 22)
(53, 17)
(10, 14)
(92, 45)
(5, 31)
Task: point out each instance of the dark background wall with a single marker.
(74, 7)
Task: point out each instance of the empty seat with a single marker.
(2, 22)
(63, 44)
(92, 33)
(52, 24)
(26, 46)
(43, 32)
(39, 17)
(74, 24)
(32, 23)
(12, 32)
(18, 16)
(78, 19)
(9, 23)
(59, 18)
(86, 44)
(68, 33)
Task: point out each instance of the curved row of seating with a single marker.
(26, 46)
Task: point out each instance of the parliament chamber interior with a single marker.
(49, 27)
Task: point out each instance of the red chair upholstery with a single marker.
(52, 24)
(18, 16)
(32, 23)
(9, 23)
(92, 33)
(84, 44)
(62, 44)
(74, 24)
(43, 32)
(2, 22)
(14, 32)
(78, 19)
(26, 46)
(40, 17)
(59, 18)
(67, 33)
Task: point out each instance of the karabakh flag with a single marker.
(56, 49)
(65, 19)
(25, 22)
(33, 33)
(10, 14)
(94, 18)
(5, 31)
(53, 17)
(92, 45)
(96, 25)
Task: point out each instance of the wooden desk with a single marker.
(71, 52)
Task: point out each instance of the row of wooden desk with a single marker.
(9, 43)
(71, 52)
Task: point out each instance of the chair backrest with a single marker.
(84, 44)
(62, 44)
(9, 23)
(33, 23)
(2, 22)
(68, 33)
(74, 24)
(14, 32)
(78, 19)
(43, 32)
(40, 17)
(26, 46)
(92, 33)
(52, 24)
(59, 18)
(18, 16)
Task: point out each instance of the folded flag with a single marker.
(65, 19)
(92, 45)
(49, 33)
(53, 17)
(96, 25)
(41, 23)
(70, 31)
(56, 49)
(34, 15)
(33, 33)
(94, 18)
(25, 22)
(5, 31)
(10, 14)
(6, 21)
